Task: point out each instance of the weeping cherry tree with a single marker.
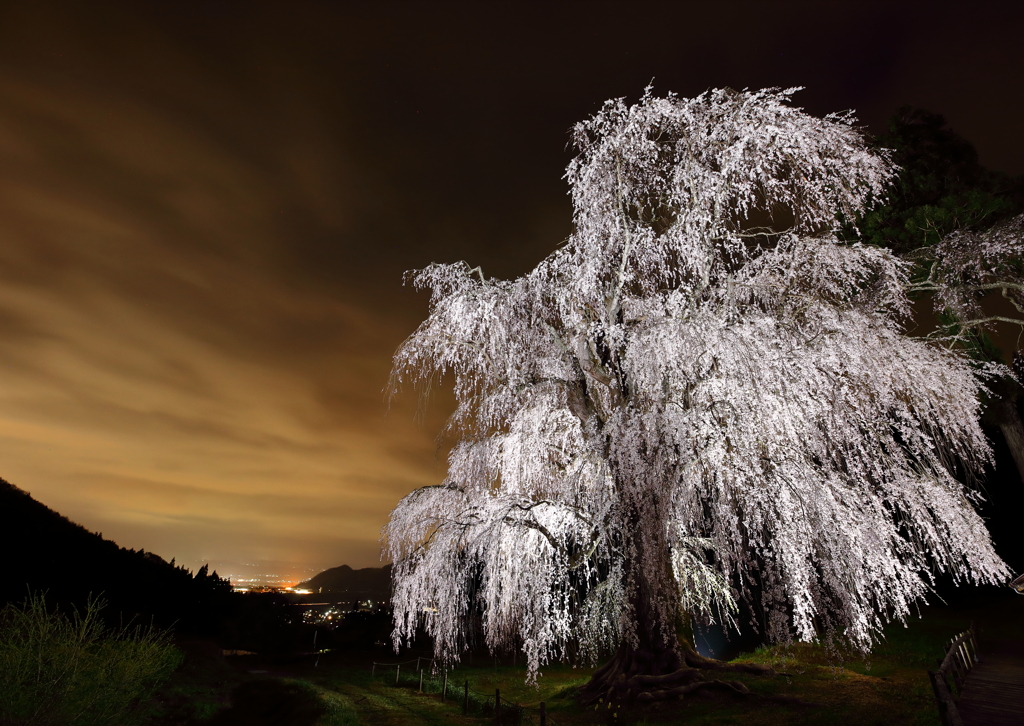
(678, 409)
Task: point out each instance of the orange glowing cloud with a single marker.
(165, 376)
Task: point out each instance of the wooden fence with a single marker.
(948, 680)
(503, 711)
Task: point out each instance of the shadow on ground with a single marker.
(270, 702)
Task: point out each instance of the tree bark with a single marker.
(1013, 431)
(652, 662)
(635, 674)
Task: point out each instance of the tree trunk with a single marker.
(652, 662)
(1013, 431)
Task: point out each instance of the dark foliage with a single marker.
(361, 630)
(267, 623)
(941, 187)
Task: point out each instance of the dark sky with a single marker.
(206, 210)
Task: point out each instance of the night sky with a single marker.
(206, 210)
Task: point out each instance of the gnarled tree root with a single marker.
(732, 688)
(696, 660)
(644, 677)
(666, 693)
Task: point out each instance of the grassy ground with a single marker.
(890, 687)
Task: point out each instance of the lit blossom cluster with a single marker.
(680, 407)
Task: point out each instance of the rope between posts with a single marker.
(405, 662)
(398, 666)
(524, 711)
(488, 699)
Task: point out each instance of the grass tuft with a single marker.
(58, 670)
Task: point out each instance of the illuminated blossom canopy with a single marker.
(679, 408)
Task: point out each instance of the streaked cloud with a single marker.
(166, 374)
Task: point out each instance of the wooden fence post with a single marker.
(421, 681)
(398, 669)
(497, 707)
(444, 687)
(465, 701)
(543, 715)
(944, 700)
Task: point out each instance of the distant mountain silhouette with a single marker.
(343, 583)
(46, 551)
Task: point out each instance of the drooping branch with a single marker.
(966, 265)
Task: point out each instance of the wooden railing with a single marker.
(948, 680)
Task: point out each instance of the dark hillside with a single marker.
(344, 583)
(48, 552)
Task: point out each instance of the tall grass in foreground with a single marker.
(58, 670)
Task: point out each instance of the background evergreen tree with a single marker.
(940, 188)
(942, 191)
